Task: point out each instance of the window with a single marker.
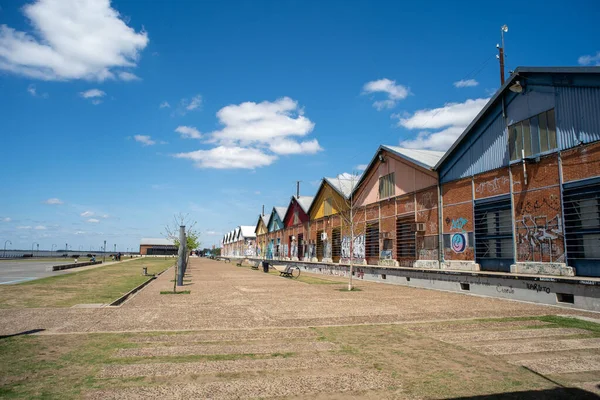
(372, 240)
(327, 206)
(387, 186)
(493, 235)
(532, 136)
(582, 226)
(405, 238)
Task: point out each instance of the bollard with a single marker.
(145, 269)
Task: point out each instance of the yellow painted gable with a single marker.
(262, 229)
(327, 194)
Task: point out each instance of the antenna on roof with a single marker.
(263, 210)
(500, 56)
(298, 189)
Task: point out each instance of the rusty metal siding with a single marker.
(485, 149)
(577, 116)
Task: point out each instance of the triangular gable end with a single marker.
(413, 171)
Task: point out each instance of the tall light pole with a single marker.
(6, 241)
(32, 246)
(38, 249)
(501, 53)
(115, 247)
(104, 252)
(52, 248)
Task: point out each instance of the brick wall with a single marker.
(457, 216)
(581, 163)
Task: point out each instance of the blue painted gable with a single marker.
(574, 94)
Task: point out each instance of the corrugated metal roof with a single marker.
(424, 158)
(343, 186)
(156, 242)
(280, 212)
(513, 77)
(305, 202)
(577, 116)
(247, 231)
(265, 219)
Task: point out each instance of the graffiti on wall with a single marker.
(250, 250)
(294, 248)
(358, 249)
(284, 252)
(458, 242)
(492, 186)
(540, 238)
(552, 202)
(457, 223)
(428, 201)
(326, 249)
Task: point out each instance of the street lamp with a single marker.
(7, 241)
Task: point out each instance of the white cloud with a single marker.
(262, 122)
(40, 228)
(87, 213)
(465, 83)
(194, 103)
(188, 132)
(453, 117)
(394, 92)
(32, 90)
(256, 133)
(128, 76)
(93, 220)
(164, 104)
(212, 233)
(257, 192)
(54, 200)
(229, 157)
(144, 139)
(590, 59)
(288, 146)
(6, 219)
(92, 93)
(105, 216)
(70, 39)
(361, 167)
(24, 227)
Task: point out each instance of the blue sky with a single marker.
(117, 115)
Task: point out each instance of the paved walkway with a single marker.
(224, 296)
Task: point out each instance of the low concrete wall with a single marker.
(75, 265)
(578, 293)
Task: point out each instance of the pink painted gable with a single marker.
(409, 178)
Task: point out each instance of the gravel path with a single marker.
(562, 365)
(537, 346)
(252, 348)
(222, 336)
(189, 368)
(298, 385)
(480, 336)
(224, 296)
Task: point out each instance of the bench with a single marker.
(287, 270)
(227, 260)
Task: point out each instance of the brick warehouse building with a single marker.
(156, 247)
(520, 188)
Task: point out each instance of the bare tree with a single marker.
(346, 205)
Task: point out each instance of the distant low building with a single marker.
(157, 247)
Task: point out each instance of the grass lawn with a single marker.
(99, 285)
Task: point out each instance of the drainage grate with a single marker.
(383, 276)
(465, 286)
(565, 298)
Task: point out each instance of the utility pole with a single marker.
(501, 53)
(104, 252)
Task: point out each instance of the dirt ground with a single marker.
(241, 333)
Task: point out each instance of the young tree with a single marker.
(347, 209)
